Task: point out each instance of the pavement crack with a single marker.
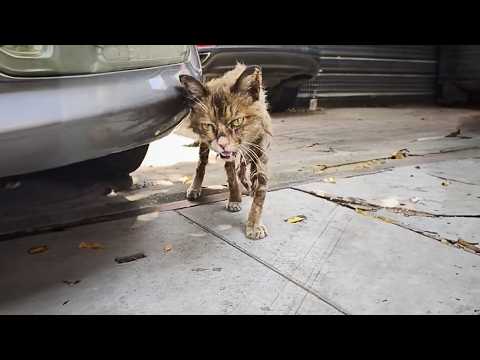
(365, 208)
(453, 180)
(322, 167)
(264, 263)
(355, 203)
(324, 260)
(369, 173)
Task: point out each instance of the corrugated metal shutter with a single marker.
(374, 71)
(459, 72)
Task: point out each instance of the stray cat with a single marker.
(230, 116)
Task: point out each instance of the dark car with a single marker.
(284, 67)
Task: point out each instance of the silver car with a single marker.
(63, 104)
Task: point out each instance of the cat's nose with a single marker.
(222, 142)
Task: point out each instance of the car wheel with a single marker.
(282, 98)
(122, 163)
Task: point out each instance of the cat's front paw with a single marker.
(194, 193)
(234, 206)
(256, 232)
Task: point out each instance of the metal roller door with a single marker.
(459, 73)
(374, 71)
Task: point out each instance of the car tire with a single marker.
(122, 163)
(281, 98)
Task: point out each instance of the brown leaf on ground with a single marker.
(400, 154)
(295, 219)
(384, 219)
(361, 212)
(467, 242)
(37, 249)
(454, 134)
(469, 245)
(330, 180)
(167, 248)
(89, 245)
(187, 180)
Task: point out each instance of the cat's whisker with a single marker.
(262, 150)
(253, 157)
(200, 103)
(245, 155)
(250, 151)
(252, 144)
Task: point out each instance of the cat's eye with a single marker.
(236, 123)
(208, 126)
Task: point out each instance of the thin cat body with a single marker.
(230, 116)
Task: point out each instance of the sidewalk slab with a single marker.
(400, 185)
(201, 274)
(420, 188)
(358, 263)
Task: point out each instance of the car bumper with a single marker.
(51, 122)
(280, 64)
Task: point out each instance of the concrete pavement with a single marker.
(380, 235)
(344, 258)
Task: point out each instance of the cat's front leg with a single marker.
(255, 229)
(195, 189)
(235, 196)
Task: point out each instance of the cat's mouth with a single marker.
(227, 155)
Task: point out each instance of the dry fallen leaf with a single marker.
(187, 180)
(295, 219)
(37, 249)
(321, 167)
(384, 219)
(461, 241)
(469, 245)
(454, 134)
(400, 154)
(167, 248)
(89, 245)
(361, 212)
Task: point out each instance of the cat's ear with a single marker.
(249, 82)
(193, 87)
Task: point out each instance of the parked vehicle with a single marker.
(285, 67)
(63, 104)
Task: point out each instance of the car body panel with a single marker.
(55, 121)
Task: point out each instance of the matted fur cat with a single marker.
(230, 116)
